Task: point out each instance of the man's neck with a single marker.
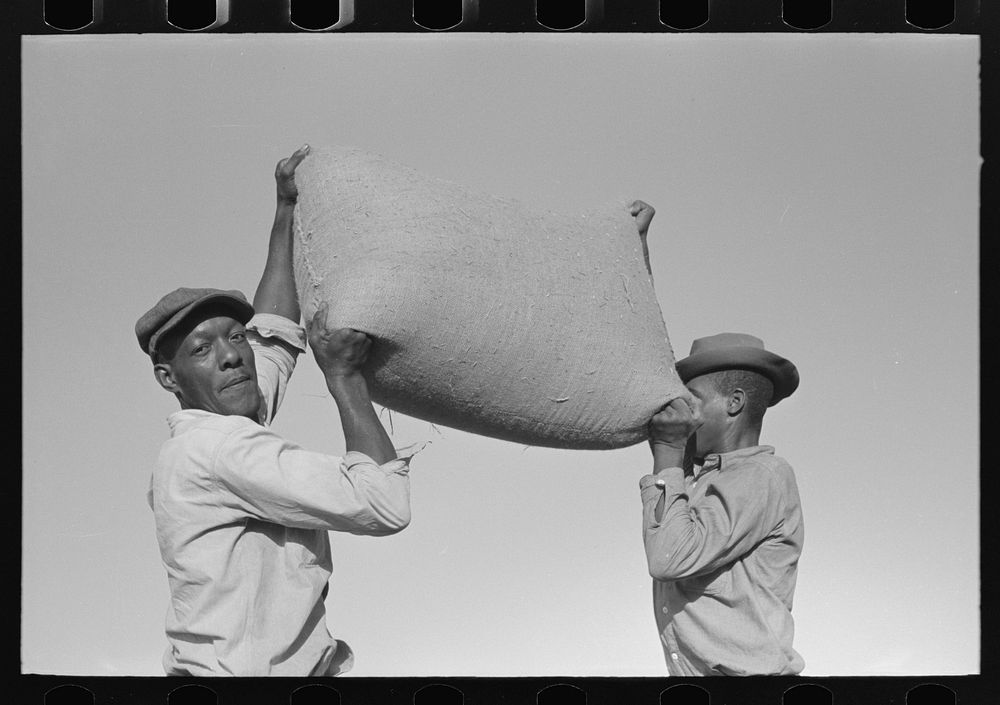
(737, 440)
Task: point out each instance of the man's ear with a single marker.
(737, 402)
(165, 376)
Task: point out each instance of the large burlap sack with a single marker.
(486, 315)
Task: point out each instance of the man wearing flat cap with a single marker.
(722, 524)
(242, 514)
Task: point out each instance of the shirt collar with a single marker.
(720, 461)
(181, 421)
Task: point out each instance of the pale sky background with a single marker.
(819, 191)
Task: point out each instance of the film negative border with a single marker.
(235, 16)
(512, 691)
(27, 17)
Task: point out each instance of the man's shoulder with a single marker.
(772, 463)
(203, 433)
(767, 458)
(762, 462)
(204, 444)
(777, 471)
(765, 475)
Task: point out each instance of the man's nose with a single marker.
(230, 356)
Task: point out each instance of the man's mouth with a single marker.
(238, 380)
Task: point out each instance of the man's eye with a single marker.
(239, 337)
(200, 350)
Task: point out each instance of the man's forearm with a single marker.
(276, 292)
(665, 456)
(363, 431)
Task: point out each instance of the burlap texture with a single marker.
(486, 315)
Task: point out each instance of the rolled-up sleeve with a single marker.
(276, 342)
(736, 513)
(265, 476)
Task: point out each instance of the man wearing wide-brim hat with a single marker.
(722, 523)
(242, 514)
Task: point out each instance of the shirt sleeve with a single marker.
(261, 474)
(739, 510)
(276, 342)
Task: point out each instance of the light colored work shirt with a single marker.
(242, 517)
(724, 554)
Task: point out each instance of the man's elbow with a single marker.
(664, 569)
(662, 574)
(390, 520)
(672, 556)
(397, 522)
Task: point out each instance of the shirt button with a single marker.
(673, 656)
(665, 610)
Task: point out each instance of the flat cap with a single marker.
(177, 305)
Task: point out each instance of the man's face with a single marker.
(710, 435)
(213, 368)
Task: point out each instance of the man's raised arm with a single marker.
(341, 355)
(276, 292)
(643, 213)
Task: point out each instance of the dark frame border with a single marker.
(25, 17)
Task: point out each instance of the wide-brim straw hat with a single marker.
(739, 351)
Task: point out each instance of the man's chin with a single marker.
(249, 406)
